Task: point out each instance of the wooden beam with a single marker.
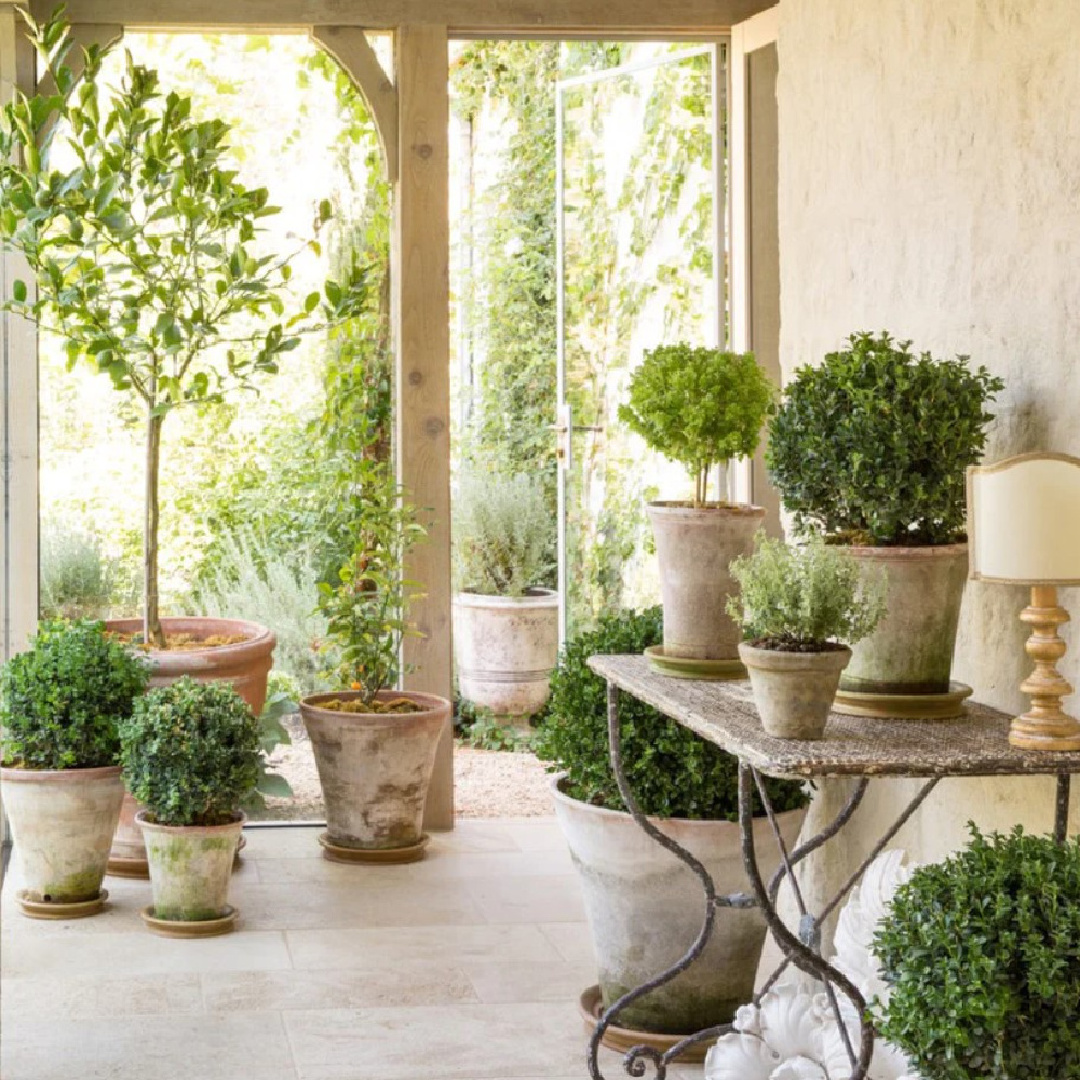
(464, 18)
(349, 46)
(420, 266)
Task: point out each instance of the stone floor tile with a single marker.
(555, 899)
(501, 982)
(572, 941)
(97, 997)
(536, 834)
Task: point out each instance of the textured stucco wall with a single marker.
(930, 185)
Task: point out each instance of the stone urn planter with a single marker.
(794, 691)
(694, 548)
(645, 909)
(911, 651)
(505, 649)
(62, 823)
(245, 664)
(374, 769)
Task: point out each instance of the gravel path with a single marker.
(487, 784)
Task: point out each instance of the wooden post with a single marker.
(420, 265)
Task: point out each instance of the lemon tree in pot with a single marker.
(191, 756)
(643, 905)
(800, 608)
(871, 449)
(61, 702)
(374, 746)
(506, 625)
(700, 407)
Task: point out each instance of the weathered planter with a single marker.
(911, 650)
(375, 768)
(794, 691)
(694, 548)
(505, 649)
(645, 909)
(245, 665)
(190, 868)
(62, 822)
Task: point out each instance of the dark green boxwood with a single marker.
(672, 772)
(191, 752)
(982, 953)
(62, 700)
(873, 445)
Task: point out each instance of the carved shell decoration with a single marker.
(793, 1033)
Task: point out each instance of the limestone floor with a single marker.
(466, 966)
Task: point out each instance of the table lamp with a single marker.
(1024, 529)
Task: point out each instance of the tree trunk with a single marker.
(152, 633)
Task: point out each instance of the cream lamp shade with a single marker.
(1024, 520)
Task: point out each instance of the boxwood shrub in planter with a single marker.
(191, 757)
(982, 956)
(644, 906)
(61, 702)
(871, 448)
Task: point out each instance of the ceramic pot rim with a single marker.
(431, 704)
(930, 551)
(239, 818)
(683, 508)
(782, 660)
(258, 637)
(536, 598)
(12, 775)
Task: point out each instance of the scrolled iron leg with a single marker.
(1061, 816)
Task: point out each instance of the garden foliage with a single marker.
(62, 699)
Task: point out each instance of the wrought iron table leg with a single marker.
(1061, 816)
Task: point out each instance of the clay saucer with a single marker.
(177, 928)
(374, 856)
(947, 706)
(51, 909)
(685, 667)
(622, 1040)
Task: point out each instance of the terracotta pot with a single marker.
(694, 548)
(375, 768)
(645, 909)
(794, 691)
(62, 822)
(505, 649)
(190, 867)
(911, 650)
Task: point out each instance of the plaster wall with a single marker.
(930, 185)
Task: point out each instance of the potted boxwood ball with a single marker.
(982, 956)
(800, 608)
(700, 407)
(644, 906)
(871, 449)
(191, 756)
(374, 746)
(506, 624)
(61, 702)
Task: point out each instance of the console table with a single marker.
(975, 745)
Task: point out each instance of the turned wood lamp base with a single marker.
(1045, 726)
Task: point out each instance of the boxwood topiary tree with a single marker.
(873, 445)
(190, 752)
(982, 955)
(61, 700)
(672, 772)
(142, 244)
(701, 407)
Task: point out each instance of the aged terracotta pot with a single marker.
(645, 909)
(794, 691)
(190, 867)
(505, 650)
(245, 664)
(62, 822)
(375, 768)
(694, 548)
(911, 650)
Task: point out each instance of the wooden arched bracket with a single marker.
(349, 46)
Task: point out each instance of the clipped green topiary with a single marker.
(982, 953)
(700, 407)
(191, 753)
(802, 598)
(872, 446)
(672, 772)
(62, 700)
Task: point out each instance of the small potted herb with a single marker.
(701, 407)
(506, 624)
(870, 449)
(689, 787)
(374, 746)
(61, 702)
(191, 757)
(982, 956)
(800, 609)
